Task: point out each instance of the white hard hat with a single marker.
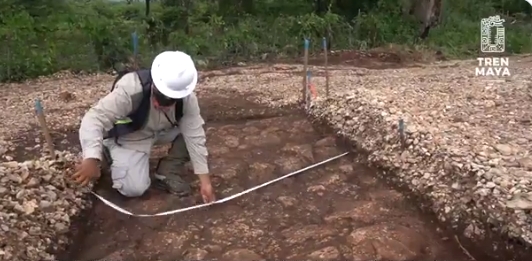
(174, 74)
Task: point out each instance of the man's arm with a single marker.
(101, 118)
(191, 127)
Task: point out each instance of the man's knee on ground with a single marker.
(134, 189)
(129, 183)
(129, 170)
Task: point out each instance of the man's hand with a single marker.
(86, 172)
(206, 190)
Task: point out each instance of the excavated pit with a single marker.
(338, 211)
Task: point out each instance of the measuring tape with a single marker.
(166, 213)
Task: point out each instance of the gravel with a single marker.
(466, 145)
(467, 141)
(36, 207)
(38, 202)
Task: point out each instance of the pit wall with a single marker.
(423, 175)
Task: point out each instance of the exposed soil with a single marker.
(333, 206)
(380, 58)
(370, 59)
(339, 211)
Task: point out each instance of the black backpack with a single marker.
(141, 106)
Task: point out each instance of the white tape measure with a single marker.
(121, 210)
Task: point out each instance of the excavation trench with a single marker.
(339, 211)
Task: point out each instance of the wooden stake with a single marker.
(326, 66)
(305, 68)
(46, 132)
(307, 89)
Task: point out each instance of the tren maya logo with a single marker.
(492, 41)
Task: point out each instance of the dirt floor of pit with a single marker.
(338, 211)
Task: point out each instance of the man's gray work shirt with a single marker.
(119, 103)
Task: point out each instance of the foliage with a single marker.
(40, 37)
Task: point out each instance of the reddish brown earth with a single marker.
(338, 211)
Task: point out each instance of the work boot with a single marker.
(170, 168)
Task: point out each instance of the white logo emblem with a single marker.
(487, 44)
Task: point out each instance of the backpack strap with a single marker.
(118, 77)
(179, 109)
(146, 82)
(143, 97)
(137, 99)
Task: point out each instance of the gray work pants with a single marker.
(130, 168)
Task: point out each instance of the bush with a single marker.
(40, 37)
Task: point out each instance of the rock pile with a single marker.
(36, 206)
(465, 142)
(467, 149)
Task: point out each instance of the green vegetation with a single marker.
(41, 37)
